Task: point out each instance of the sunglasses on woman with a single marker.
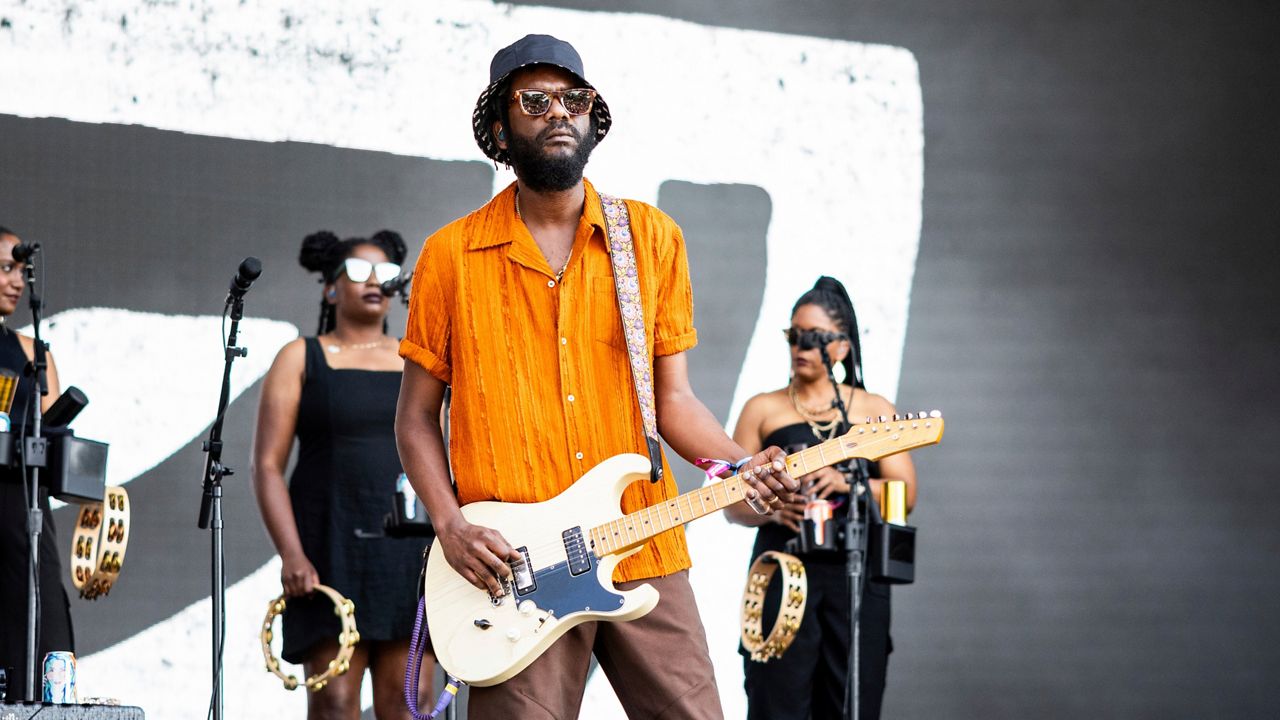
(810, 339)
(358, 270)
(576, 101)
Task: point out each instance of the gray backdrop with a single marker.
(1093, 309)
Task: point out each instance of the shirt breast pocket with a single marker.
(606, 321)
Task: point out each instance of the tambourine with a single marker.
(348, 636)
(99, 544)
(795, 588)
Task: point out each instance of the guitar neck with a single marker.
(872, 441)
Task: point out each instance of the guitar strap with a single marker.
(622, 254)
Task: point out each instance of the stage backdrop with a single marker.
(1088, 190)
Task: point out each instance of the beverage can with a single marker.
(894, 508)
(818, 512)
(60, 678)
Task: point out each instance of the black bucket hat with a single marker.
(529, 50)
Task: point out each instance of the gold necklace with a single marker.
(335, 347)
(823, 429)
(568, 257)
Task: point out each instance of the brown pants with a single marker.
(658, 665)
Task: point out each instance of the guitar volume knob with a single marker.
(513, 634)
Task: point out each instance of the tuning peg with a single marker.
(911, 416)
(935, 414)
(868, 420)
(883, 419)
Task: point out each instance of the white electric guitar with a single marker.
(570, 545)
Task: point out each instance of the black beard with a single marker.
(550, 174)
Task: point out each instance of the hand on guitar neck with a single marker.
(771, 486)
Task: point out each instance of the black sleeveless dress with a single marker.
(343, 483)
(55, 631)
(818, 657)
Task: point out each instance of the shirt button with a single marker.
(579, 456)
(571, 398)
(551, 283)
(564, 341)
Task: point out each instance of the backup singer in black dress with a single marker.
(337, 393)
(801, 415)
(55, 631)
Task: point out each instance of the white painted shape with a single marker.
(152, 380)
(842, 161)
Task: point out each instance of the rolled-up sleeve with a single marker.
(426, 336)
(673, 325)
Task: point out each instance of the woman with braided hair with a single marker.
(802, 414)
(337, 393)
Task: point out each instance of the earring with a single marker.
(331, 293)
(502, 134)
(839, 373)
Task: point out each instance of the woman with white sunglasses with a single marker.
(336, 392)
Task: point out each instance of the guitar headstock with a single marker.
(883, 436)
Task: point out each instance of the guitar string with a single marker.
(455, 587)
(558, 544)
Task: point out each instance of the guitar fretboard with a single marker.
(871, 441)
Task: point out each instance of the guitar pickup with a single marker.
(575, 549)
(522, 573)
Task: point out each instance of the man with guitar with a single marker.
(518, 307)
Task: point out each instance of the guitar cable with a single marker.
(413, 670)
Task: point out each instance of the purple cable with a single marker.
(413, 670)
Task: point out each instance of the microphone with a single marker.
(397, 285)
(22, 252)
(249, 271)
(66, 407)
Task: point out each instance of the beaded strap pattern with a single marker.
(622, 254)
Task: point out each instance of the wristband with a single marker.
(714, 467)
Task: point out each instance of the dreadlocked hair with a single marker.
(500, 110)
(322, 252)
(830, 295)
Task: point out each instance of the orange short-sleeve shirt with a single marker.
(541, 384)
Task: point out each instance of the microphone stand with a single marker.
(34, 455)
(855, 539)
(211, 502)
